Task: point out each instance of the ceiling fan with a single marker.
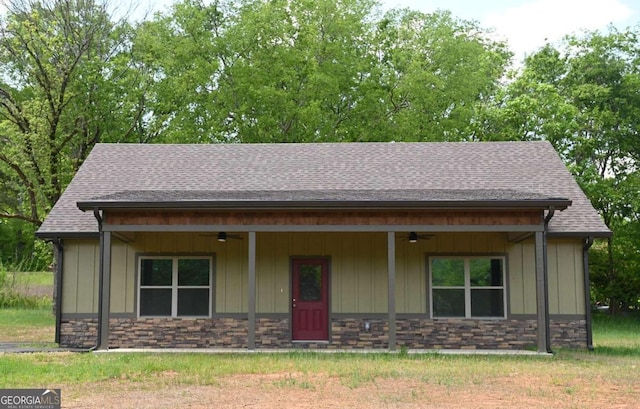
(413, 237)
(223, 236)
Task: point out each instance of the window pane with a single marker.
(193, 272)
(448, 303)
(486, 272)
(156, 272)
(193, 302)
(447, 272)
(156, 302)
(310, 285)
(487, 303)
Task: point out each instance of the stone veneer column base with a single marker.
(345, 333)
(158, 333)
(487, 334)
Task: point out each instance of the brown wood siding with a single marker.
(373, 217)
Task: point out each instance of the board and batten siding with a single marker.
(411, 262)
(230, 263)
(565, 274)
(80, 272)
(357, 264)
(358, 270)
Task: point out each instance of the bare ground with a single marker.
(302, 391)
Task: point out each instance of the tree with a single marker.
(584, 97)
(435, 70)
(181, 55)
(314, 70)
(66, 85)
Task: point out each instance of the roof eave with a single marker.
(558, 204)
(580, 234)
(67, 235)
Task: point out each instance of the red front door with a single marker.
(310, 301)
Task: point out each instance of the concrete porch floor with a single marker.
(15, 348)
(325, 351)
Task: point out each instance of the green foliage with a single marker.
(43, 47)
(19, 249)
(313, 71)
(435, 69)
(14, 299)
(615, 269)
(67, 83)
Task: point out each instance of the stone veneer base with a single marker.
(345, 333)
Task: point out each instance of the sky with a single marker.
(528, 24)
(525, 24)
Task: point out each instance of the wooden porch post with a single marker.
(104, 290)
(542, 304)
(391, 261)
(252, 291)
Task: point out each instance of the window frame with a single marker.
(174, 283)
(467, 285)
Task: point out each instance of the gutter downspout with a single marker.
(547, 219)
(59, 259)
(98, 217)
(588, 242)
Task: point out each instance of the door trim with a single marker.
(327, 259)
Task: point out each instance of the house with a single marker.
(340, 246)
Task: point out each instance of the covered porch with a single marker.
(379, 284)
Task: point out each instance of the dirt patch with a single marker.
(303, 391)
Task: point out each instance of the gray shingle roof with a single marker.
(498, 171)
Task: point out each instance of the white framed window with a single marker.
(175, 286)
(467, 287)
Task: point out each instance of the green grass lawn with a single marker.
(612, 337)
(29, 290)
(39, 278)
(27, 325)
(616, 335)
(25, 279)
(26, 314)
(569, 379)
(566, 380)
(352, 369)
